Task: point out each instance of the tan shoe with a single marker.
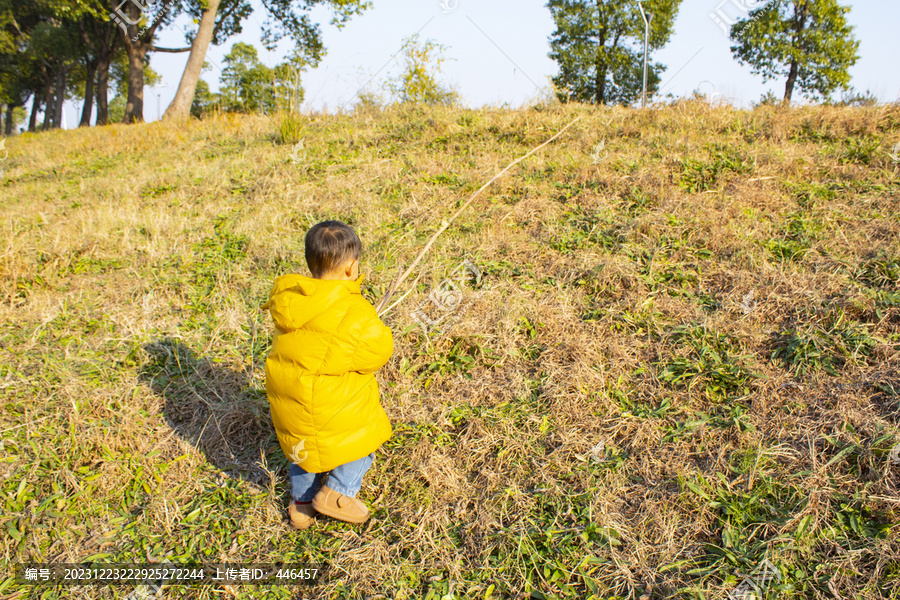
(302, 515)
(341, 507)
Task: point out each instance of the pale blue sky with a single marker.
(498, 52)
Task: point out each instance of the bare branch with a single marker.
(172, 50)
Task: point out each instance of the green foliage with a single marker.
(636, 202)
(288, 91)
(204, 100)
(18, 117)
(290, 18)
(215, 253)
(460, 358)
(767, 99)
(246, 82)
(745, 511)
(787, 249)
(701, 176)
(290, 128)
(248, 85)
(599, 48)
(708, 361)
(852, 97)
(417, 83)
(531, 350)
(883, 272)
(369, 100)
(739, 512)
(807, 41)
(117, 108)
(861, 150)
(826, 345)
(810, 194)
(40, 45)
(796, 241)
(586, 229)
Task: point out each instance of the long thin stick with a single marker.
(381, 304)
(399, 300)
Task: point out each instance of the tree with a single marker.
(52, 52)
(116, 109)
(13, 118)
(248, 85)
(246, 82)
(102, 39)
(55, 47)
(16, 85)
(120, 70)
(219, 19)
(140, 26)
(599, 47)
(417, 82)
(288, 91)
(34, 54)
(204, 100)
(807, 41)
(206, 31)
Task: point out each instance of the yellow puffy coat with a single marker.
(320, 372)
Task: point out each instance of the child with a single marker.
(320, 377)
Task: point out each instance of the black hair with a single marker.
(329, 245)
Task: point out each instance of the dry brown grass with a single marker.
(135, 259)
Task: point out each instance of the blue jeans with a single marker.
(345, 479)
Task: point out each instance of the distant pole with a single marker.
(158, 94)
(646, 18)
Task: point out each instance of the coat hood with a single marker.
(296, 299)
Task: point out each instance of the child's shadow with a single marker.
(211, 407)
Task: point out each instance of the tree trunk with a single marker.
(48, 112)
(798, 24)
(60, 97)
(180, 108)
(137, 49)
(35, 108)
(8, 126)
(89, 94)
(599, 76)
(602, 67)
(102, 39)
(789, 86)
(601, 84)
(103, 91)
(134, 108)
(1, 118)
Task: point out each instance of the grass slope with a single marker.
(682, 359)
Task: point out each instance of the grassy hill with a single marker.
(682, 359)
